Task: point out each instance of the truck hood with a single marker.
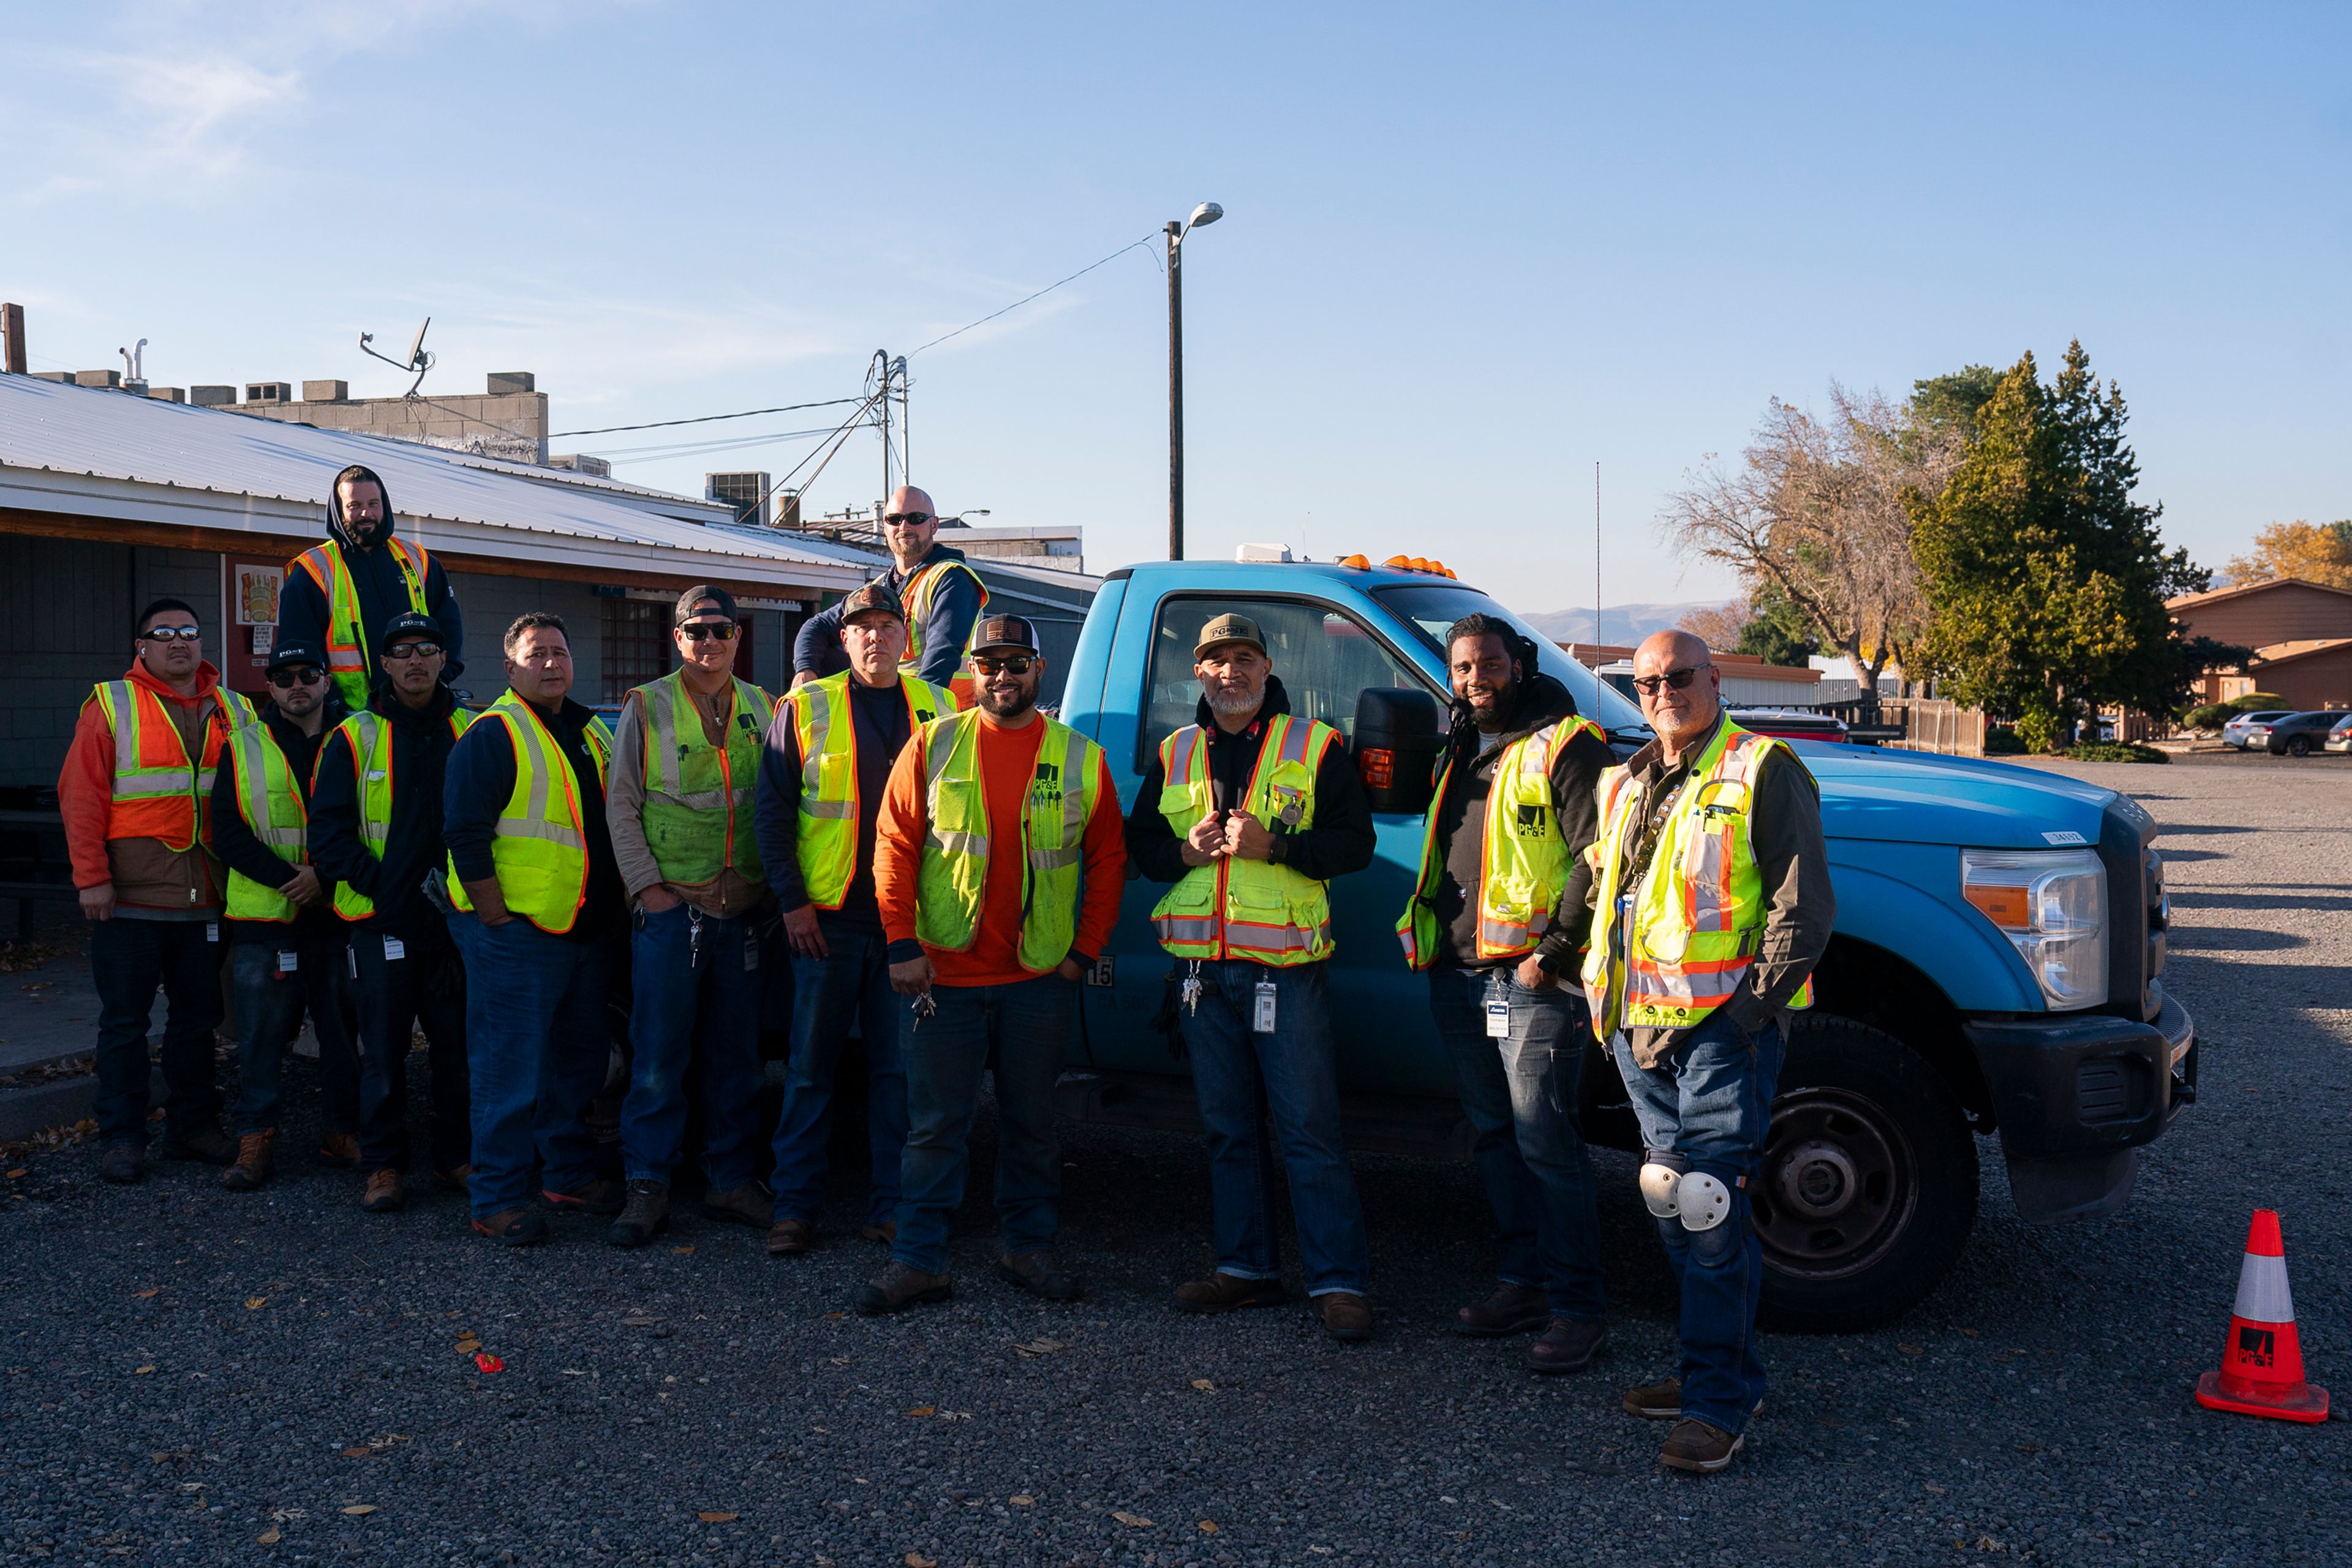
(1917, 797)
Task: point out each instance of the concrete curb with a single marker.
(35, 1107)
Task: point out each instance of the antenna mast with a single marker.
(1596, 554)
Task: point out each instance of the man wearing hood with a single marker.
(136, 794)
(942, 598)
(341, 595)
(1250, 812)
(1496, 916)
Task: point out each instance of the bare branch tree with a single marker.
(1815, 508)
(1718, 626)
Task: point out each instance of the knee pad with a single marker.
(1702, 1201)
(1662, 1174)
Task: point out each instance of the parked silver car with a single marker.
(2300, 735)
(2339, 739)
(2242, 731)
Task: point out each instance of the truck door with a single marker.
(1324, 655)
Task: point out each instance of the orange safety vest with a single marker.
(157, 792)
(347, 640)
(921, 587)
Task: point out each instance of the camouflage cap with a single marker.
(873, 596)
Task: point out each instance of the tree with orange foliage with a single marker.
(2314, 551)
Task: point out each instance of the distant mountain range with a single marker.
(1619, 623)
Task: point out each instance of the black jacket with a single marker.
(1342, 840)
(954, 607)
(241, 852)
(420, 757)
(1462, 825)
(302, 608)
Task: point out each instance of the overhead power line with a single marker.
(1040, 293)
(703, 419)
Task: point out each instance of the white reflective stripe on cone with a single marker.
(2263, 1295)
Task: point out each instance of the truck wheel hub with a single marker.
(1839, 1183)
(1817, 1180)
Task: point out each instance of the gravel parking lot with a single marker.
(186, 1373)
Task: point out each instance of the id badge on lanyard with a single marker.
(1262, 1014)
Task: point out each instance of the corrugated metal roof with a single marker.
(53, 434)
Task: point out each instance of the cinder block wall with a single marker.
(490, 605)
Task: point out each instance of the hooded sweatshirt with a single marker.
(240, 850)
(302, 608)
(1462, 825)
(152, 879)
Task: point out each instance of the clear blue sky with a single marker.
(1469, 251)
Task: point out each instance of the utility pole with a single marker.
(882, 366)
(1597, 638)
(1175, 391)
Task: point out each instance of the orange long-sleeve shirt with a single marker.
(1008, 765)
(146, 873)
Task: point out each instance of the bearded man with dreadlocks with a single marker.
(1496, 919)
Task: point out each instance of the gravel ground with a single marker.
(186, 1372)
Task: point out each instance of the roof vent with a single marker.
(212, 396)
(1248, 554)
(743, 491)
(512, 383)
(579, 463)
(269, 392)
(326, 391)
(97, 378)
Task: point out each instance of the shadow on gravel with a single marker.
(2233, 939)
(2322, 897)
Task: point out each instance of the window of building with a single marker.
(636, 645)
(1323, 657)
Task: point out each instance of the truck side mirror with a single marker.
(1397, 744)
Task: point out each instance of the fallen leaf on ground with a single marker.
(359, 1453)
(17, 1172)
(1132, 1520)
(917, 1560)
(1022, 1499)
(1969, 1332)
(923, 1410)
(1934, 1488)
(467, 1347)
(151, 1290)
(1205, 1385)
(712, 1516)
(681, 1251)
(143, 1371)
(838, 1360)
(1038, 1347)
(489, 1362)
(358, 1508)
(268, 1537)
(254, 1303)
(1208, 1527)
(831, 1315)
(1912, 1350)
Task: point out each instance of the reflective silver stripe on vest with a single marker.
(544, 761)
(1186, 928)
(365, 735)
(253, 790)
(813, 746)
(957, 843)
(131, 780)
(1294, 738)
(666, 736)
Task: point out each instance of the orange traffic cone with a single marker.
(2261, 1366)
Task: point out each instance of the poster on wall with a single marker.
(256, 594)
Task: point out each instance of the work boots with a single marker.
(1511, 1309)
(1568, 1344)
(208, 1144)
(899, 1287)
(642, 1217)
(747, 1204)
(1036, 1272)
(1699, 1447)
(253, 1164)
(597, 1196)
(340, 1150)
(384, 1195)
(1224, 1292)
(1345, 1316)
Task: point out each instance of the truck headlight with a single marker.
(2053, 906)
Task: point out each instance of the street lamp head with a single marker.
(1206, 212)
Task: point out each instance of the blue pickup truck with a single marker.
(1996, 966)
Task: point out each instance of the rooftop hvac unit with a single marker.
(744, 492)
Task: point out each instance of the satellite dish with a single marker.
(418, 360)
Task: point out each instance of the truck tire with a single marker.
(1869, 1183)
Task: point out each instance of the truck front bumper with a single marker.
(2076, 1095)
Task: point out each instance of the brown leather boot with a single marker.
(746, 1205)
(1224, 1292)
(340, 1149)
(899, 1287)
(453, 1181)
(1344, 1314)
(1509, 1309)
(384, 1193)
(1699, 1447)
(790, 1237)
(253, 1164)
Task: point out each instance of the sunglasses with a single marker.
(412, 650)
(703, 631)
(1002, 665)
(166, 634)
(297, 675)
(1651, 685)
(906, 518)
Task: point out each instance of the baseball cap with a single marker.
(285, 655)
(1004, 632)
(412, 623)
(690, 603)
(1229, 628)
(873, 596)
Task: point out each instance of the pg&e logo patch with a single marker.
(1046, 792)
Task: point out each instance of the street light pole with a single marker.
(1175, 391)
(1207, 212)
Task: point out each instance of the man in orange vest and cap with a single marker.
(136, 794)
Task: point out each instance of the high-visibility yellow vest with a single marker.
(538, 848)
(1234, 908)
(157, 791)
(368, 734)
(271, 805)
(916, 594)
(952, 875)
(699, 797)
(825, 832)
(1667, 953)
(348, 642)
(1523, 858)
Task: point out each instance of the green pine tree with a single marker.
(2046, 579)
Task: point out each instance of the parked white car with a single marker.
(2252, 729)
(2339, 739)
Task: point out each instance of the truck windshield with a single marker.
(1429, 607)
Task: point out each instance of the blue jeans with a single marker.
(1520, 1096)
(1711, 1103)
(694, 1000)
(537, 1047)
(850, 985)
(128, 959)
(1242, 1075)
(1027, 1026)
(269, 1003)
